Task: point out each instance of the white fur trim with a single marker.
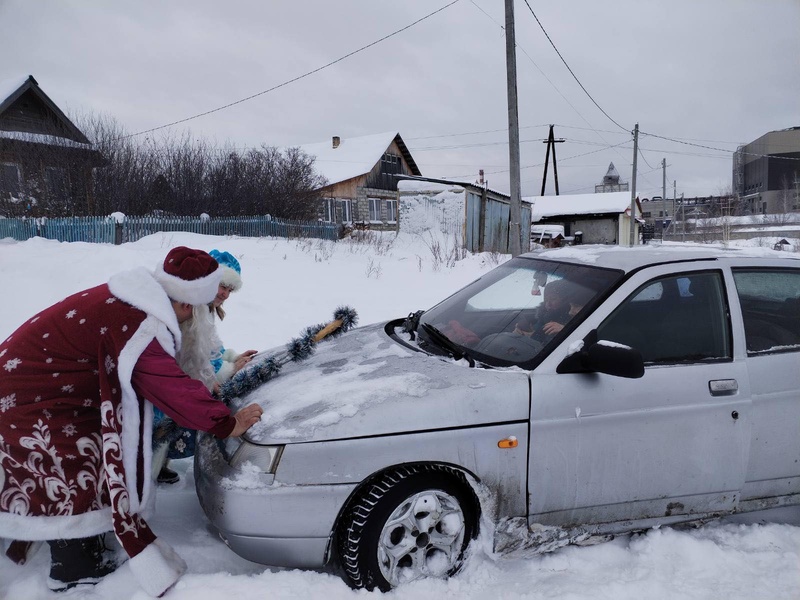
(157, 568)
(196, 292)
(66, 527)
(140, 289)
(230, 278)
(226, 371)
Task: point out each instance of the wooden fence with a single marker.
(109, 231)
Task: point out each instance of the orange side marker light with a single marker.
(509, 442)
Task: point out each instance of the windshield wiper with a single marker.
(411, 323)
(456, 351)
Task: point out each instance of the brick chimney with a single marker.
(336, 141)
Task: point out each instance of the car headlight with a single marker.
(265, 458)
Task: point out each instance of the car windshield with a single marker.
(509, 316)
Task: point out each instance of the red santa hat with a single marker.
(189, 275)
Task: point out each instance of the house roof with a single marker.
(355, 156)
(428, 184)
(578, 204)
(13, 89)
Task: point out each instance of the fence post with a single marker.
(117, 234)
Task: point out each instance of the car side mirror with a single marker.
(602, 356)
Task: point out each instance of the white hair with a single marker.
(200, 343)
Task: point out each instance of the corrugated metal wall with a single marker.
(495, 224)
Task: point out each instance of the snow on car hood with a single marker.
(364, 383)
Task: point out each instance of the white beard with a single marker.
(200, 343)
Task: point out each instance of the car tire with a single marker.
(411, 522)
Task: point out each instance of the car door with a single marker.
(672, 443)
(769, 297)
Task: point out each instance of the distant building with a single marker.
(766, 173)
(362, 187)
(46, 162)
(588, 218)
(611, 182)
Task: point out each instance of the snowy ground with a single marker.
(292, 284)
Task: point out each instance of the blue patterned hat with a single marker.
(231, 269)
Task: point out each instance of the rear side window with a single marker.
(770, 302)
(676, 319)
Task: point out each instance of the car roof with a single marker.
(630, 259)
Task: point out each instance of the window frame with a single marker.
(16, 166)
(779, 348)
(374, 210)
(391, 211)
(726, 330)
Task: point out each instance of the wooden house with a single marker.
(589, 218)
(46, 162)
(361, 190)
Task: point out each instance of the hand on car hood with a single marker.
(364, 383)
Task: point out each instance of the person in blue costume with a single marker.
(223, 363)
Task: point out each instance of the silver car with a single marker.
(566, 396)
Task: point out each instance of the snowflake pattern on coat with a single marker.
(60, 432)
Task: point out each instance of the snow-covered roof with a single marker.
(433, 184)
(12, 89)
(419, 186)
(353, 156)
(550, 229)
(40, 138)
(578, 204)
(632, 258)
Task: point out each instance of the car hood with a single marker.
(364, 383)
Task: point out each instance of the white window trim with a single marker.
(377, 204)
(391, 210)
(347, 210)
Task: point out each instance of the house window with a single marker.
(374, 210)
(57, 183)
(347, 210)
(647, 214)
(391, 211)
(9, 179)
(329, 210)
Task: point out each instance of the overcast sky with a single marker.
(711, 72)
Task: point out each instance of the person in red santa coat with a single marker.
(78, 383)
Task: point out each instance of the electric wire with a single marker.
(298, 78)
(570, 69)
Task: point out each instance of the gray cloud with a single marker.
(726, 71)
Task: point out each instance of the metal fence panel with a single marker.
(104, 230)
(99, 230)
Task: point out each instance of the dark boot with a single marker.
(167, 475)
(79, 561)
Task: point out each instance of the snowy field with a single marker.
(289, 285)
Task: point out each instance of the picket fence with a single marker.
(106, 230)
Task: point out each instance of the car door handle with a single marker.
(723, 387)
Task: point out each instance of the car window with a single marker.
(509, 316)
(770, 301)
(675, 319)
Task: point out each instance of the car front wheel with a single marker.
(408, 523)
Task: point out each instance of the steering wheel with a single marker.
(510, 346)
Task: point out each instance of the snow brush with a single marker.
(300, 348)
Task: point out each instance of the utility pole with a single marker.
(674, 213)
(515, 208)
(633, 185)
(663, 178)
(551, 143)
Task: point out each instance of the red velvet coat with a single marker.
(75, 431)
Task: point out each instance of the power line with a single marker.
(298, 78)
(570, 70)
(678, 141)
